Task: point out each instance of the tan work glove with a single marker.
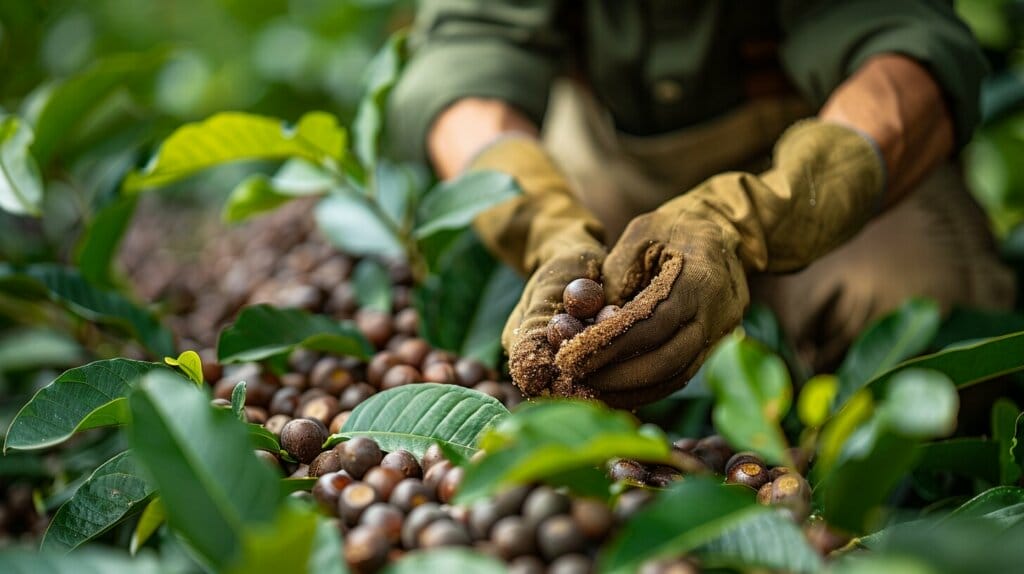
(680, 271)
(546, 234)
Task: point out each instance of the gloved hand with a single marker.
(680, 271)
(546, 234)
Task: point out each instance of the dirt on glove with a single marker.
(539, 370)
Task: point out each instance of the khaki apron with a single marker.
(936, 243)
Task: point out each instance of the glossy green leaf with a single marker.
(348, 220)
(413, 417)
(457, 299)
(920, 405)
(21, 186)
(153, 517)
(1002, 506)
(897, 336)
(33, 348)
(114, 491)
(233, 136)
(549, 438)
(691, 513)
(262, 331)
(86, 397)
(190, 364)
(500, 295)
(445, 560)
(66, 286)
(968, 364)
(762, 540)
(380, 79)
(373, 285)
(752, 394)
(1004, 428)
(971, 457)
(455, 204)
(263, 439)
(90, 560)
(238, 401)
(200, 459)
(97, 249)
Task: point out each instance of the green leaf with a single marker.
(65, 285)
(258, 194)
(920, 405)
(326, 555)
(21, 186)
(500, 295)
(455, 204)
(895, 337)
(691, 513)
(254, 195)
(290, 485)
(86, 397)
(545, 439)
(233, 136)
(445, 560)
(968, 364)
(971, 457)
(465, 302)
(262, 331)
(413, 417)
(153, 517)
(767, 540)
(69, 107)
(90, 560)
(97, 248)
(816, 398)
(200, 459)
(761, 324)
(190, 364)
(263, 439)
(348, 220)
(373, 285)
(1004, 428)
(287, 544)
(380, 79)
(114, 491)
(238, 401)
(37, 347)
(752, 392)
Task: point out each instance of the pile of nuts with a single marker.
(583, 300)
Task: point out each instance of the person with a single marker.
(697, 152)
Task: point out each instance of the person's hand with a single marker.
(546, 234)
(680, 271)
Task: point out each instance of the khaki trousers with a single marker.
(936, 243)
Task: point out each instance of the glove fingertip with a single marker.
(532, 364)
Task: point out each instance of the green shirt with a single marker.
(661, 65)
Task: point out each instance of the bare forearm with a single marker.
(468, 126)
(894, 100)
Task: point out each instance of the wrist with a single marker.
(468, 126)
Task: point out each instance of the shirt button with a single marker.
(667, 91)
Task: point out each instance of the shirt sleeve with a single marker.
(828, 40)
(503, 49)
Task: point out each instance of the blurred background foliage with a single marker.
(102, 81)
